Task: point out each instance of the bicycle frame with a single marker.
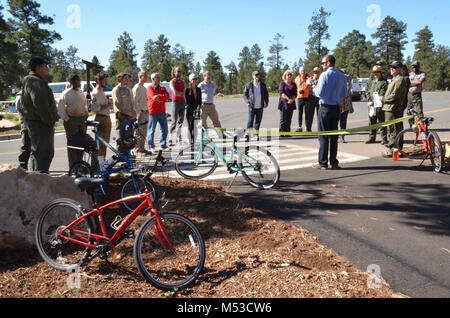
(82, 238)
(422, 131)
(227, 161)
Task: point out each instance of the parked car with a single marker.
(360, 88)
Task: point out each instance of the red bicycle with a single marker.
(168, 249)
(419, 142)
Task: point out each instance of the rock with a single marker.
(22, 198)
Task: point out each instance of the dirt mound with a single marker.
(249, 255)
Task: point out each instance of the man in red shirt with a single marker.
(157, 96)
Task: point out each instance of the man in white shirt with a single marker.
(208, 89)
(72, 108)
(141, 108)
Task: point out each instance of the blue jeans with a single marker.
(328, 119)
(254, 118)
(153, 120)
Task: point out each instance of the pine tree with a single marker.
(391, 36)
(318, 34)
(213, 65)
(424, 49)
(27, 24)
(275, 62)
(9, 59)
(350, 53)
(123, 58)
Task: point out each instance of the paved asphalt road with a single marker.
(373, 211)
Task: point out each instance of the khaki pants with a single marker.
(104, 131)
(209, 110)
(141, 133)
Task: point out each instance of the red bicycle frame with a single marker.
(422, 130)
(82, 238)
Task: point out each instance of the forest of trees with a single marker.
(27, 33)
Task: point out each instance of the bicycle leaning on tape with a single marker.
(258, 166)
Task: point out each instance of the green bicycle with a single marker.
(258, 166)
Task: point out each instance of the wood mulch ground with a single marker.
(249, 255)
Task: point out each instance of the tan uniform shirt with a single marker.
(72, 103)
(416, 77)
(98, 101)
(140, 98)
(123, 100)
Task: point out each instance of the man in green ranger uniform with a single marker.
(417, 79)
(393, 101)
(40, 115)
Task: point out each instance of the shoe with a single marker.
(370, 141)
(342, 139)
(255, 138)
(300, 129)
(335, 167)
(171, 142)
(320, 167)
(151, 151)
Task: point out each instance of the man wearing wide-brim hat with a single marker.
(393, 101)
(375, 99)
(417, 79)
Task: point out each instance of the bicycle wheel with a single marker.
(81, 169)
(193, 164)
(137, 185)
(260, 168)
(162, 266)
(58, 252)
(437, 155)
(410, 145)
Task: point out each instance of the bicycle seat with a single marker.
(427, 120)
(92, 123)
(87, 183)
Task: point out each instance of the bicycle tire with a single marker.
(128, 189)
(81, 169)
(267, 171)
(169, 269)
(64, 256)
(410, 145)
(437, 155)
(187, 167)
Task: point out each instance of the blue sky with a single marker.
(227, 26)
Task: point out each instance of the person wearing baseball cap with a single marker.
(393, 104)
(417, 79)
(40, 115)
(375, 96)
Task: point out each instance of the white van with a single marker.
(59, 88)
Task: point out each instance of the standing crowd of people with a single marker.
(326, 93)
